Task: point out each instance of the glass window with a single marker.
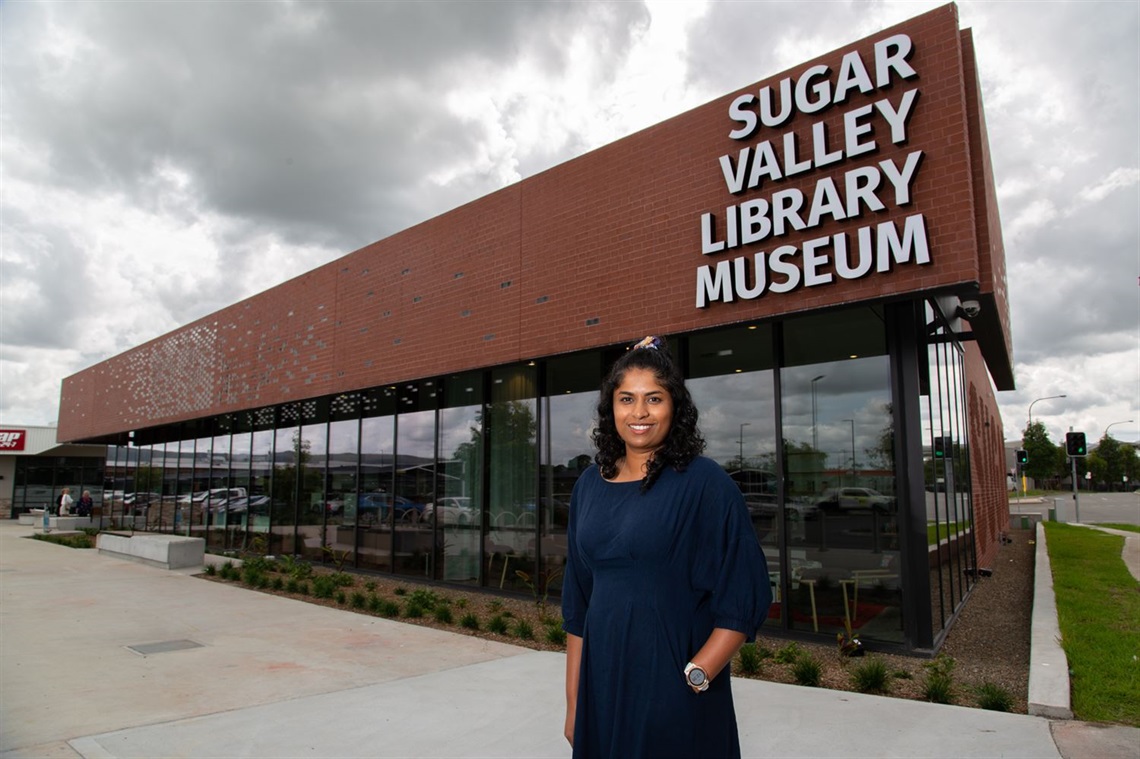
(415, 478)
(371, 513)
(946, 467)
(261, 475)
(569, 413)
(732, 383)
(213, 504)
(286, 456)
(838, 450)
(458, 508)
(513, 454)
(341, 486)
(234, 505)
(312, 457)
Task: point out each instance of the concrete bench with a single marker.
(167, 551)
(61, 524)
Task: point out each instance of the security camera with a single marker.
(969, 309)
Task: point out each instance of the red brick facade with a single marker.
(598, 250)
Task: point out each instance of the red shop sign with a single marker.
(12, 440)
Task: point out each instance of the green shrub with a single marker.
(749, 659)
(938, 684)
(413, 610)
(253, 576)
(443, 614)
(227, 571)
(556, 635)
(258, 564)
(498, 624)
(994, 697)
(389, 608)
(469, 621)
(763, 651)
(358, 600)
(400, 590)
(374, 604)
(292, 585)
(340, 597)
(426, 599)
(524, 630)
(324, 586)
(342, 579)
(279, 583)
(461, 603)
(211, 570)
(871, 676)
(303, 588)
(370, 586)
(788, 654)
(495, 604)
(807, 671)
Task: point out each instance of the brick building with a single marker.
(824, 252)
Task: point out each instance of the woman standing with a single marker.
(665, 579)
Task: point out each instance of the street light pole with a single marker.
(814, 417)
(742, 426)
(1109, 427)
(852, 422)
(1046, 398)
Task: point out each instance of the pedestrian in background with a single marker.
(85, 505)
(665, 578)
(65, 501)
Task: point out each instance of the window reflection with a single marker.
(946, 470)
(843, 566)
(457, 512)
(287, 446)
(512, 509)
(568, 415)
(369, 513)
(731, 382)
(415, 479)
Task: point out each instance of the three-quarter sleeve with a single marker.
(742, 592)
(577, 580)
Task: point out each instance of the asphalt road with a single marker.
(1122, 508)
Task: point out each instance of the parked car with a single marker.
(854, 499)
(377, 506)
(452, 510)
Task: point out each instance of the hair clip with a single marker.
(649, 342)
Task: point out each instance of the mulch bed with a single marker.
(989, 642)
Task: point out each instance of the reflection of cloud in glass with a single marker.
(571, 422)
(417, 434)
(726, 402)
(455, 429)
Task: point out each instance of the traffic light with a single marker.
(1022, 457)
(1075, 444)
(940, 447)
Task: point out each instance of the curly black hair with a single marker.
(684, 441)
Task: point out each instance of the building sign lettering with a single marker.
(839, 197)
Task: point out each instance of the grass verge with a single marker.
(1097, 608)
(1118, 526)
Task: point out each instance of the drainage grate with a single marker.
(146, 649)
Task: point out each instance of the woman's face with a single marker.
(643, 411)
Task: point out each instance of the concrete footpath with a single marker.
(102, 657)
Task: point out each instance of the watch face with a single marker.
(696, 677)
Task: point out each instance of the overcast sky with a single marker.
(162, 160)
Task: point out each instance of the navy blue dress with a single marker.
(647, 579)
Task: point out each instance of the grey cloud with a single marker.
(319, 120)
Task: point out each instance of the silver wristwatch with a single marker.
(696, 677)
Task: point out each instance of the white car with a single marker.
(851, 499)
(452, 510)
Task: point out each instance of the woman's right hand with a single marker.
(568, 729)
